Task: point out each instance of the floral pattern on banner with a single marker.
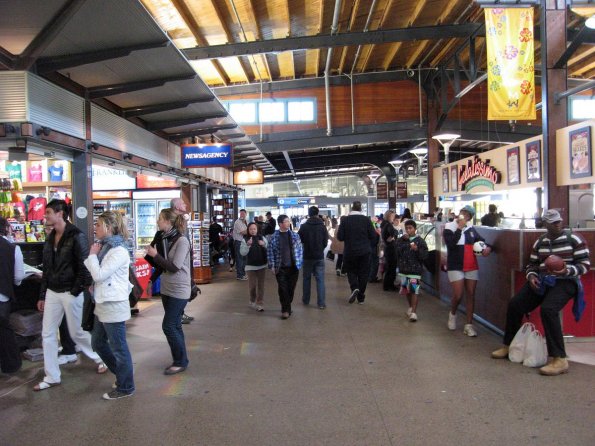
(509, 35)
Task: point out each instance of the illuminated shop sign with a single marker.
(295, 201)
(477, 173)
(254, 176)
(206, 155)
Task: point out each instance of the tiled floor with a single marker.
(347, 375)
(583, 352)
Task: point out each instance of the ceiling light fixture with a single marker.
(590, 22)
(446, 140)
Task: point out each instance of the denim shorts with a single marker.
(455, 276)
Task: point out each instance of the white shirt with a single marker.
(19, 269)
(239, 226)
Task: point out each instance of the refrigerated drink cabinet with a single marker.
(145, 212)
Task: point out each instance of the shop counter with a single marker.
(501, 275)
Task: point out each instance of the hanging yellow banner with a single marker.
(511, 81)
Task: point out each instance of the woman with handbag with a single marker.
(109, 264)
(254, 248)
(175, 284)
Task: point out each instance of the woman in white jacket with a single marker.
(108, 263)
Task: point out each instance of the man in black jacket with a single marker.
(270, 225)
(357, 232)
(65, 277)
(314, 238)
(12, 272)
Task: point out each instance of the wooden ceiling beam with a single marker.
(580, 56)
(258, 35)
(583, 68)
(320, 24)
(423, 45)
(192, 25)
(392, 54)
(366, 58)
(447, 48)
(288, 15)
(352, 20)
(228, 34)
(590, 74)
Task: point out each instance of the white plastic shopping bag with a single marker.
(535, 350)
(516, 350)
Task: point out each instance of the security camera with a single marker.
(410, 73)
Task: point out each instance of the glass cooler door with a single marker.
(145, 219)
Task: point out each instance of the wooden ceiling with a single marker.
(196, 24)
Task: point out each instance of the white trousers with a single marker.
(56, 306)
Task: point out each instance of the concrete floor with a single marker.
(349, 375)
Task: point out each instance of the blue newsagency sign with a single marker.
(206, 155)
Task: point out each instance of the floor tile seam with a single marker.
(363, 369)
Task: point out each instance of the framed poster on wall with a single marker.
(533, 161)
(445, 179)
(454, 179)
(579, 145)
(513, 166)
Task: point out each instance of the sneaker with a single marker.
(413, 317)
(353, 296)
(116, 395)
(409, 311)
(259, 308)
(115, 385)
(230, 269)
(338, 272)
(252, 304)
(501, 353)
(243, 278)
(556, 367)
(67, 359)
(469, 331)
(452, 321)
(360, 302)
(322, 307)
(185, 319)
(190, 318)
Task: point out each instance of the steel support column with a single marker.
(554, 116)
(82, 193)
(433, 152)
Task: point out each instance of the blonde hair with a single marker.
(176, 220)
(388, 213)
(115, 222)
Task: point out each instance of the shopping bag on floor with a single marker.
(535, 350)
(516, 350)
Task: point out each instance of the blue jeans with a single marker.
(172, 328)
(240, 260)
(315, 267)
(109, 341)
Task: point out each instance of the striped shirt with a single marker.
(570, 247)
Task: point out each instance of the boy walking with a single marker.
(412, 250)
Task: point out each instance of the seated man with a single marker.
(551, 290)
